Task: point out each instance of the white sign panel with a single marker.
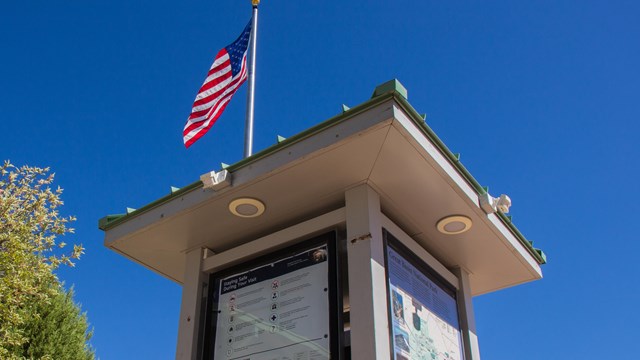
(279, 311)
(424, 316)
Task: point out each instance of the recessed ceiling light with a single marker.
(455, 224)
(246, 207)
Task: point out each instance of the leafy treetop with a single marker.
(29, 225)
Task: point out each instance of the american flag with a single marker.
(228, 72)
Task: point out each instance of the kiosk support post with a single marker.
(367, 285)
(190, 311)
(467, 317)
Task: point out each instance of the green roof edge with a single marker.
(104, 222)
(392, 89)
(311, 131)
(110, 221)
(538, 254)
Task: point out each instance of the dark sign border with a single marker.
(396, 245)
(335, 292)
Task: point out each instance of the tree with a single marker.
(29, 225)
(60, 332)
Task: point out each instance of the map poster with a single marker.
(277, 311)
(424, 316)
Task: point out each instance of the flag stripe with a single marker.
(210, 87)
(213, 113)
(205, 111)
(211, 116)
(231, 86)
(198, 132)
(221, 85)
(205, 116)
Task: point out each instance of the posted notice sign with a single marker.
(276, 311)
(424, 314)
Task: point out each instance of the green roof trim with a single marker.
(537, 253)
(392, 89)
(110, 221)
(311, 131)
(103, 223)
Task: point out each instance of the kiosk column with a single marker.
(367, 280)
(467, 317)
(190, 314)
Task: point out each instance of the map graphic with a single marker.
(424, 316)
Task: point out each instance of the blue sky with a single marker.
(541, 98)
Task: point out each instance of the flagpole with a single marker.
(248, 130)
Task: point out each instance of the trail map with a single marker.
(424, 315)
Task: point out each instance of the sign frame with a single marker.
(334, 291)
(390, 241)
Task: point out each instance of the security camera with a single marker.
(503, 203)
(490, 204)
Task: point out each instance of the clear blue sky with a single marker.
(542, 98)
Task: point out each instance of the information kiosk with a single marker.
(361, 238)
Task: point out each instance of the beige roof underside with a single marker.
(381, 147)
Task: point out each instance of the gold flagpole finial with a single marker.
(255, 2)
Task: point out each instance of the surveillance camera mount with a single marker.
(491, 205)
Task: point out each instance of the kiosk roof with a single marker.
(383, 142)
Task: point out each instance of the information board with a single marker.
(423, 313)
(275, 311)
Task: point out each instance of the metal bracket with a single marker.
(366, 236)
(216, 180)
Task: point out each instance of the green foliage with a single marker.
(60, 332)
(29, 225)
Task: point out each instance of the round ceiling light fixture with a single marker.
(455, 224)
(246, 207)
